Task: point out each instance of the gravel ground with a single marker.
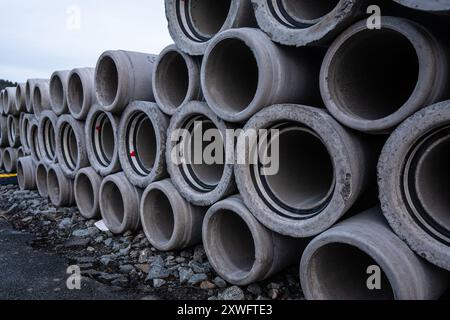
(128, 261)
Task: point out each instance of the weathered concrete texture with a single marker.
(87, 192)
(102, 141)
(12, 124)
(41, 97)
(10, 160)
(47, 136)
(142, 143)
(25, 121)
(71, 145)
(122, 77)
(26, 173)
(412, 175)
(119, 204)
(242, 250)
(20, 98)
(243, 71)
(81, 92)
(33, 140)
(4, 131)
(60, 188)
(192, 24)
(176, 79)
(41, 179)
(323, 170)
(58, 91)
(434, 6)
(169, 221)
(409, 70)
(337, 264)
(200, 184)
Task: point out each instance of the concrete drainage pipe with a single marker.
(338, 264)
(10, 160)
(323, 170)
(169, 221)
(122, 77)
(119, 204)
(87, 189)
(23, 131)
(176, 80)
(192, 24)
(142, 143)
(26, 173)
(240, 249)
(47, 136)
(102, 141)
(60, 188)
(71, 145)
(29, 91)
(408, 71)
(33, 140)
(307, 22)
(20, 152)
(413, 171)
(58, 92)
(1, 157)
(243, 71)
(20, 98)
(41, 179)
(81, 92)
(10, 101)
(4, 131)
(200, 183)
(41, 97)
(436, 6)
(12, 124)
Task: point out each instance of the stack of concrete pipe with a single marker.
(343, 98)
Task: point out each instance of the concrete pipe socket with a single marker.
(169, 221)
(41, 97)
(4, 131)
(58, 92)
(41, 179)
(408, 70)
(243, 71)
(60, 187)
(122, 77)
(24, 123)
(10, 160)
(71, 145)
(87, 192)
(240, 249)
(437, 6)
(307, 22)
(341, 263)
(176, 80)
(102, 141)
(47, 137)
(10, 101)
(412, 175)
(119, 204)
(192, 24)
(200, 182)
(20, 98)
(323, 169)
(26, 173)
(12, 124)
(81, 92)
(142, 143)
(33, 140)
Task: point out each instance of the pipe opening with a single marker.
(34, 143)
(339, 272)
(306, 178)
(54, 189)
(113, 203)
(373, 74)
(308, 11)
(76, 93)
(159, 217)
(85, 193)
(104, 139)
(7, 161)
(69, 146)
(57, 91)
(41, 180)
(27, 93)
(233, 240)
(142, 146)
(107, 81)
(49, 139)
(231, 75)
(37, 98)
(18, 95)
(12, 129)
(202, 175)
(20, 175)
(172, 77)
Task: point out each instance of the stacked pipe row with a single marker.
(345, 100)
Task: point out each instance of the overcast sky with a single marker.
(40, 36)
